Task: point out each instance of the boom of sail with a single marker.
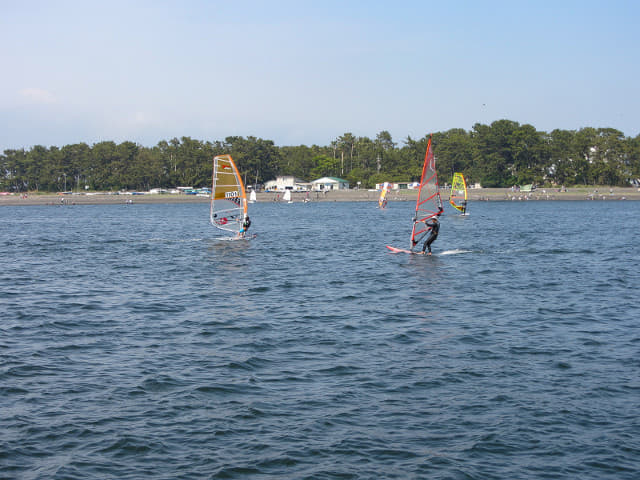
(458, 196)
(228, 197)
(429, 203)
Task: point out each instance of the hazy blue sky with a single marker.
(305, 72)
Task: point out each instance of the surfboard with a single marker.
(235, 239)
(402, 250)
(248, 237)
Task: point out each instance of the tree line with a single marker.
(502, 154)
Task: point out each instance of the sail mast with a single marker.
(429, 203)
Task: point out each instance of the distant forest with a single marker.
(502, 154)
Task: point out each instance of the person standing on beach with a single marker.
(434, 226)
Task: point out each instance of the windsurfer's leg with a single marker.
(429, 242)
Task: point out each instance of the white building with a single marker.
(329, 183)
(287, 182)
(400, 185)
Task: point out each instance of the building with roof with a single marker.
(399, 185)
(329, 183)
(287, 182)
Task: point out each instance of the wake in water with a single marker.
(173, 240)
(454, 252)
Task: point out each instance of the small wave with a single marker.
(6, 391)
(350, 297)
(455, 252)
(259, 289)
(250, 364)
(222, 389)
(132, 445)
(161, 383)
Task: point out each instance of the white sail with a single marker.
(287, 196)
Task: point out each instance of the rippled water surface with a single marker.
(134, 344)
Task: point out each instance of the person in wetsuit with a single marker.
(245, 226)
(434, 226)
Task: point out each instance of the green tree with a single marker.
(561, 168)
(633, 148)
(325, 166)
(297, 161)
(38, 169)
(454, 150)
(103, 159)
(257, 160)
(14, 170)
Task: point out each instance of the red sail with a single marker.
(429, 203)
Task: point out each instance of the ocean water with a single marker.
(135, 344)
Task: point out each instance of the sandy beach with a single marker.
(483, 194)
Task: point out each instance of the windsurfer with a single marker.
(433, 226)
(245, 226)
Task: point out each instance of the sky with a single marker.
(305, 72)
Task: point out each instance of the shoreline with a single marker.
(475, 195)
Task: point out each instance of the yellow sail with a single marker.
(458, 197)
(228, 197)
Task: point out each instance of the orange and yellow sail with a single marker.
(228, 198)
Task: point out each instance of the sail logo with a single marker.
(231, 194)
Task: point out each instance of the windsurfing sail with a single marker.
(382, 200)
(228, 198)
(287, 196)
(429, 203)
(253, 198)
(458, 197)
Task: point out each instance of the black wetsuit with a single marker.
(434, 225)
(246, 224)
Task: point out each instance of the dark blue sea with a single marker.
(135, 344)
